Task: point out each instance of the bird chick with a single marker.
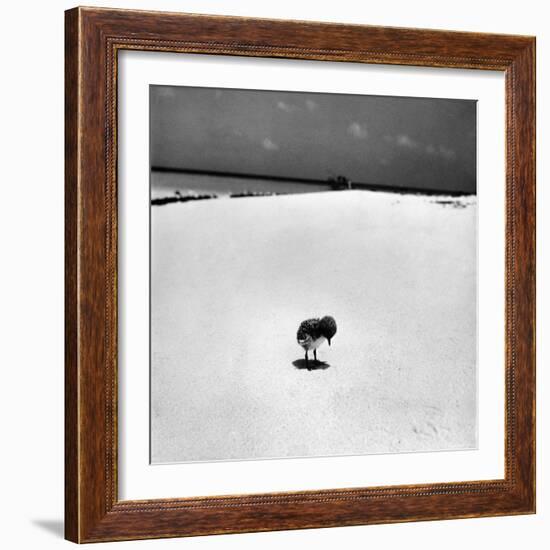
(313, 332)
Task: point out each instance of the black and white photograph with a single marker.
(313, 268)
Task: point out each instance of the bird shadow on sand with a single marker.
(312, 364)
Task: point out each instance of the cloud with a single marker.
(286, 107)
(311, 105)
(357, 130)
(269, 145)
(403, 140)
(447, 153)
(441, 151)
(165, 91)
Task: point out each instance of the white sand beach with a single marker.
(233, 278)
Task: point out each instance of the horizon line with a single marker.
(312, 181)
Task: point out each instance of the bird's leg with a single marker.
(315, 354)
(307, 362)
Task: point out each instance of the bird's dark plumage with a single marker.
(309, 327)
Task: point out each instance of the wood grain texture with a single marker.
(71, 270)
(93, 38)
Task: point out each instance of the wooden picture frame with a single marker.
(93, 511)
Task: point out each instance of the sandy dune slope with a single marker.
(233, 278)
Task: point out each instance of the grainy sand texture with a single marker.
(231, 280)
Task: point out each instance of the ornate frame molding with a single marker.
(93, 38)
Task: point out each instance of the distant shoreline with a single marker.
(442, 199)
(330, 183)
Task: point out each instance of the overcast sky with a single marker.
(402, 142)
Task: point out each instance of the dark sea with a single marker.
(165, 184)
